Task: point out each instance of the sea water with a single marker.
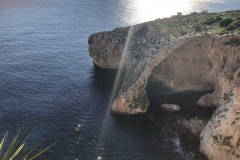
(46, 75)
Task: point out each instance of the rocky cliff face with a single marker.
(108, 53)
(170, 51)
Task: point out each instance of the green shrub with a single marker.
(183, 32)
(233, 25)
(212, 20)
(225, 22)
(199, 28)
(237, 23)
(230, 27)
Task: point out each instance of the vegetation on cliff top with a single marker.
(215, 23)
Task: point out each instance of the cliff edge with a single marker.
(196, 52)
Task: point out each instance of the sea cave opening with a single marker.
(159, 94)
(187, 123)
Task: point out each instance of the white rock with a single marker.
(170, 107)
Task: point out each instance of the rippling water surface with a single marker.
(47, 75)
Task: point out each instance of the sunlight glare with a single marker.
(117, 82)
(153, 9)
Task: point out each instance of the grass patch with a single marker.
(170, 28)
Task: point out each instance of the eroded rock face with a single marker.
(192, 67)
(108, 52)
(220, 139)
(204, 62)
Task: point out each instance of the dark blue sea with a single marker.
(46, 75)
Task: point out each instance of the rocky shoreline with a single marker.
(186, 53)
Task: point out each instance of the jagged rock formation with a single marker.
(170, 51)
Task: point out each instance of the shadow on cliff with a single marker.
(104, 79)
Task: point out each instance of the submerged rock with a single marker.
(183, 56)
(195, 125)
(170, 107)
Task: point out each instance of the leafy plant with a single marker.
(14, 149)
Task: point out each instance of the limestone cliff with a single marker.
(185, 53)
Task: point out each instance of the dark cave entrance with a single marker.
(159, 94)
(180, 122)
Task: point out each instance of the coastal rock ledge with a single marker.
(185, 53)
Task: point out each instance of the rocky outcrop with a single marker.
(108, 52)
(183, 61)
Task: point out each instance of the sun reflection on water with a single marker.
(138, 11)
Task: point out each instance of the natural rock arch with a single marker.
(188, 63)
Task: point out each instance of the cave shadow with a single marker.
(159, 94)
